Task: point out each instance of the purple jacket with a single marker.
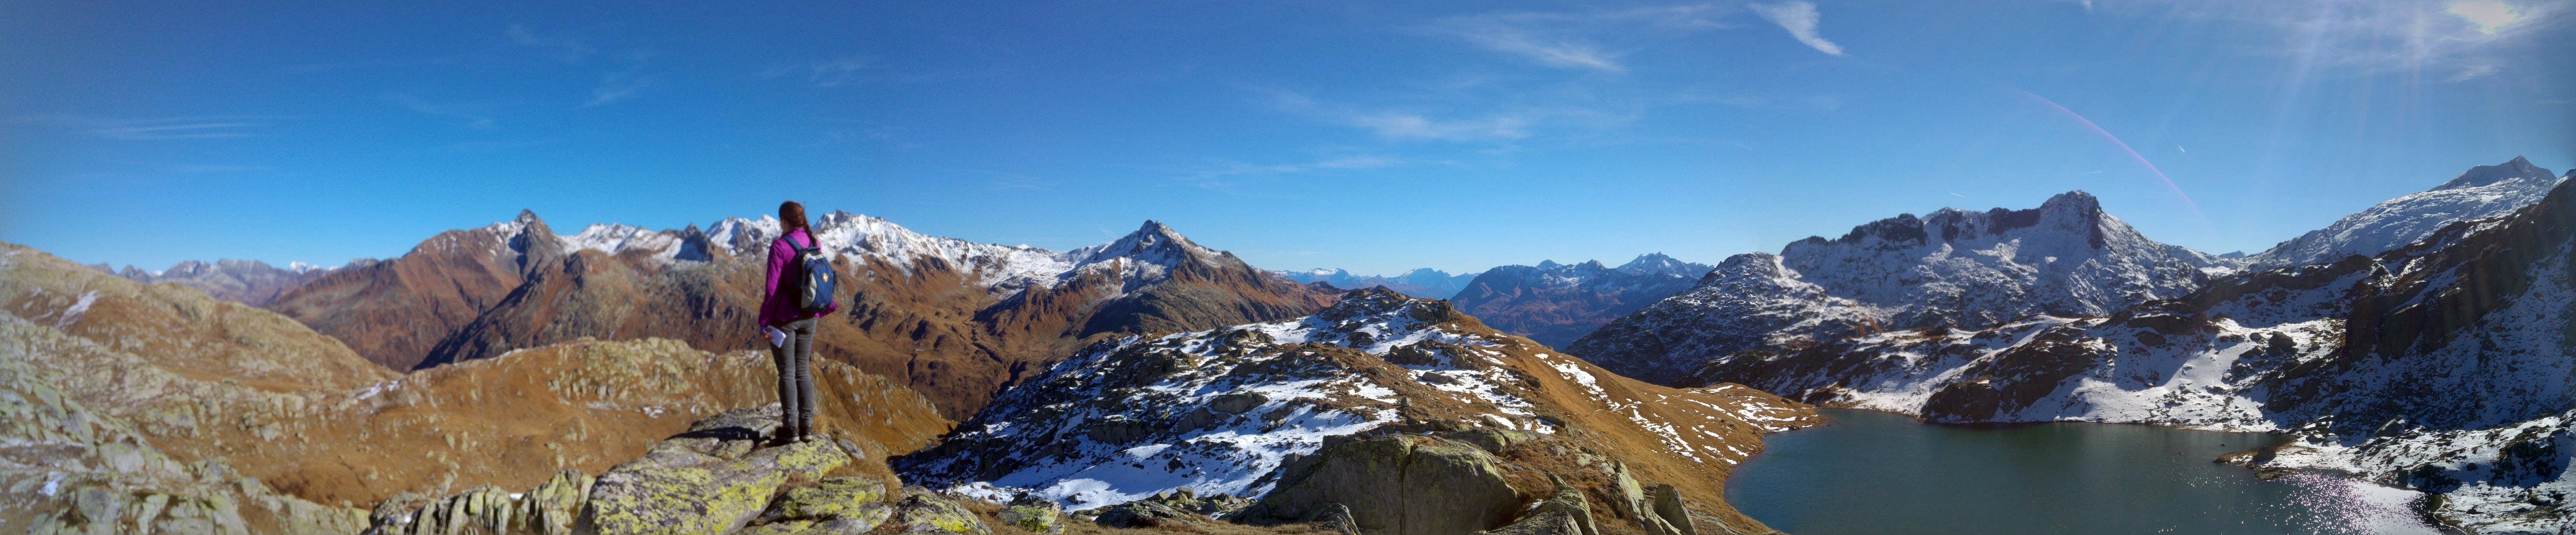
(775, 308)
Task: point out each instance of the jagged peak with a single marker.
(1152, 242)
(2484, 175)
(2078, 201)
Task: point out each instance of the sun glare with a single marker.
(2488, 15)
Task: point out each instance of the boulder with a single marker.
(1669, 517)
(925, 512)
(853, 498)
(1146, 514)
(1567, 513)
(1396, 485)
(1037, 515)
(1491, 439)
(712, 479)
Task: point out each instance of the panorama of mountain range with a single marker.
(509, 378)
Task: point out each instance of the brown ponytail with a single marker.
(791, 216)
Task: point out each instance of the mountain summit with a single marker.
(2484, 191)
(1950, 267)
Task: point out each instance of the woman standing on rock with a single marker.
(799, 292)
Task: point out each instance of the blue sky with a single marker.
(1360, 135)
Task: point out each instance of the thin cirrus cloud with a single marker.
(561, 48)
(1409, 125)
(163, 128)
(1799, 18)
(621, 84)
(475, 116)
(1568, 40)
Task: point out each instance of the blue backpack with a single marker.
(815, 292)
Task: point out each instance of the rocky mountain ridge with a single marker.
(1948, 268)
(956, 320)
(2482, 192)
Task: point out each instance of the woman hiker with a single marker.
(788, 314)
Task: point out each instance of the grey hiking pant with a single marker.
(795, 360)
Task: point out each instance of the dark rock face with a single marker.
(1401, 485)
(1555, 303)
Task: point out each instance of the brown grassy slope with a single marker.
(203, 379)
(1691, 438)
(394, 311)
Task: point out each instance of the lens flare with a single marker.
(2124, 146)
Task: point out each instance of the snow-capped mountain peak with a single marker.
(2484, 175)
(1153, 243)
(2484, 191)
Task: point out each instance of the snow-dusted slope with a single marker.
(1951, 267)
(2443, 366)
(2484, 191)
(1218, 411)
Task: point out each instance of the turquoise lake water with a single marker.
(1881, 473)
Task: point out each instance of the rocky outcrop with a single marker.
(73, 469)
(1034, 515)
(927, 512)
(1398, 485)
(1554, 304)
(711, 479)
(1566, 513)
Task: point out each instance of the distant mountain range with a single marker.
(249, 282)
(1554, 303)
(1551, 303)
(1421, 282)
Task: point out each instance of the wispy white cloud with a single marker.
(1799, 17)
(567, 49)
(162, 128)
(474, 115)
(202, 168)
(621, 84)
(1570, 39)
(1217, 173)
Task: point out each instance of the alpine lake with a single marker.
(1870, 472)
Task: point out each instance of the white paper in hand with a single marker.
(777, 338)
